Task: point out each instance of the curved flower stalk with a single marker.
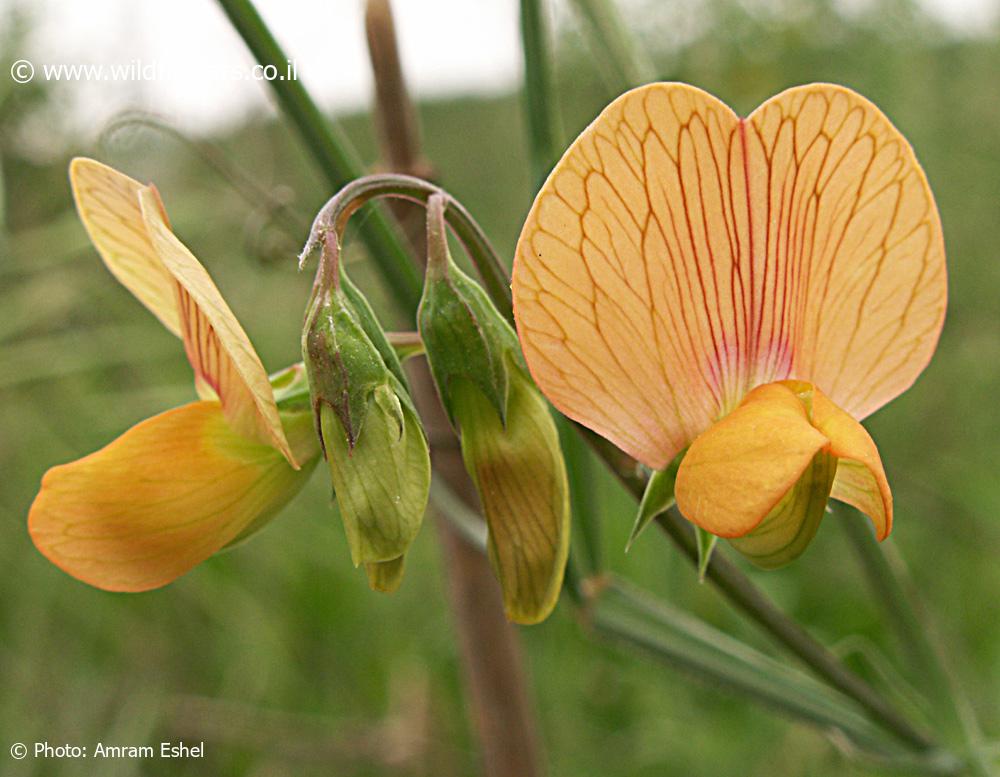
(180, 486)
(746, 289)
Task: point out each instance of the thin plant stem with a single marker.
(580, 472)
(741, 592)
(490, 651)
(334, 214)
(395, 115)
(541, 115)
(621, 612)
(252, 192)
(719, 658)
(331, 151)
(887, 578)
(624, 62)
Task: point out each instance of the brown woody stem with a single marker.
(489, 649)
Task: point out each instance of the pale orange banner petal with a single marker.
(860, 479)
(108, 203)
(217, 346)
(677, 256)
(735, 473)
(160, 499)
(854, 288)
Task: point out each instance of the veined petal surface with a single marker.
(678, 256)
(163, 497)
(128, 225)
(217, 347)
(108, 204)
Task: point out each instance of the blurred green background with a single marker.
(276, 654)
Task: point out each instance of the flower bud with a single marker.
(369, 430)
(510, 445)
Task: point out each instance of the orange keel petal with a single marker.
(163, 497)
(735, 473)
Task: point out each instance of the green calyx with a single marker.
(464, 335)
(656, 499)
(347, 356)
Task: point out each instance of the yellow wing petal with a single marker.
(108, 203)
(217, 347)
(854, 283)
(160, 499)
(735, 473)
(678, 256)
(860, 480)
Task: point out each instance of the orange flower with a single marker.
(743, 289)
(180, 486)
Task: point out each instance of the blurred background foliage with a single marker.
(276, 654)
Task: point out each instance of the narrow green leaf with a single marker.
(539, 95)
(624, 63)
(658, 498)
(405, 344)
(627, 613)
(582, 472)
(706, 544)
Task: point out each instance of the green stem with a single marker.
(887, 577)
(625, 614)
(542, 119)
(581, 474)
(331, 150)
(632, 615)
(540, 101)
(622, 60)
(739, 589)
